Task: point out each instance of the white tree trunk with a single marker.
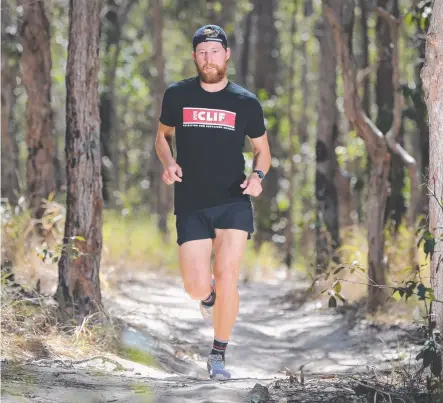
(432, 76)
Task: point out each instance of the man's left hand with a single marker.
(252, 185)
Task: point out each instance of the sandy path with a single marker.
(271, 334)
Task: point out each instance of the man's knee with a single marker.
(227, 276)
(197, 289)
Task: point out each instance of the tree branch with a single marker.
(363, 73)
(366, 129)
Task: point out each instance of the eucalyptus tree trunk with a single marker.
(265, 81)
(78, 290)
(245, 54)
(326, 162)
(289, 233)
(163, 192)
(111, 32)
(432, 75)
(36, 66)
(421, 115)
(9, 71)
(384, 93)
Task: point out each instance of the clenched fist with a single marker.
(172, 173)
(252, 185)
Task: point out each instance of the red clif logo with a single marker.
(203, 117)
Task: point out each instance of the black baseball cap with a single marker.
(210, 33)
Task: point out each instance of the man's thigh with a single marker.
(195, 262)
(230, 245)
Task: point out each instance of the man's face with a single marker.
(211, 61)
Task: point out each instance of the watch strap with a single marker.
(260, 174)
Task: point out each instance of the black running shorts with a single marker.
(202, 223)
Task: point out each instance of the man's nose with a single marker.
(208, 57)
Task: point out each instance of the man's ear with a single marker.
(228, 54)
(193, 55)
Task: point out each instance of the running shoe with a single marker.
(216, 368)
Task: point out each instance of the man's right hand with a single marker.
(172, 173)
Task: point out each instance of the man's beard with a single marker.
(213, 76)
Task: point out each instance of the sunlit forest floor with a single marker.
(152, 344)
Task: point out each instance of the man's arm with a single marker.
(262, 162)
(262, 153)
(163, 142)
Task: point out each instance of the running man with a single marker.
(211, 117)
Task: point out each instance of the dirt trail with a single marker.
(271, 333)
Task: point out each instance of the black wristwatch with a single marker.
(260, 174)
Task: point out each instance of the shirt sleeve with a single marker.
(256, 123)
(167, 116)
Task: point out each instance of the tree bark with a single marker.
(432, 76)
(265, 58)
(384, 92)
(9, 152)
(363, 174)
(112, 27)
(163, 192)
(289, 233)
(36, 66)
(345, 198)
(9, 149)
(366, 102)
(421, 121)
(111, 32)
(392, 136)
(265, 81)
(79, 283)
(303, 121)
(326, 162)
(244, 58)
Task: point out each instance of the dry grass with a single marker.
(30, 329)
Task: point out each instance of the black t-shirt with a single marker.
(210, 129)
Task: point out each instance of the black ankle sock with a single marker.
(210, 300)
(219, 347)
